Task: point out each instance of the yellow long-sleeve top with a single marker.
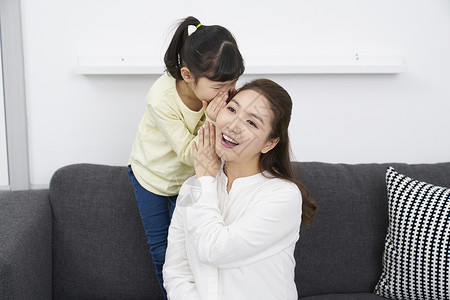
(161, 156)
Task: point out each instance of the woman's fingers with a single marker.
(212, 135)
(194, 149)
(206, 161)
(206, 136)
(200, 137)
(209, 135)
(206, 140)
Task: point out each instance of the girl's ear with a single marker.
(187, 75)
(270, 145)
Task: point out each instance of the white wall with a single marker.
(4, 179)
(337, 118)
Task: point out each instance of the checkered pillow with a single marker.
(416, 258)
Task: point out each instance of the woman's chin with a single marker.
(221, 154)
(225, 154)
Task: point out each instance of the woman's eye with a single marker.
(231, 109)
(252, 123)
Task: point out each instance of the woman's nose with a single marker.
(235, 124)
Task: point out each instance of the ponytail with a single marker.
(172, 56)
(210, 51)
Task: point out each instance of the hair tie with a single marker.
(193, 28)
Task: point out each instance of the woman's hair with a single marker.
(210, 51)
(277, 161)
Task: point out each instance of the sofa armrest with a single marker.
(25, 245)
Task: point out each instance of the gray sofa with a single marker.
(83, 238)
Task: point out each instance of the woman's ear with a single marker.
(270, 145)
(187, 75)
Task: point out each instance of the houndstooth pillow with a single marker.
(416, 259)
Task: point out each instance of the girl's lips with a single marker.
(228, 141)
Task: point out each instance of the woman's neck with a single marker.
(188, 96)
(238, 170)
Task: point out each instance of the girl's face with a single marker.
(206, 89)
(243, 127)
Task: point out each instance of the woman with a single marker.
(235, 226)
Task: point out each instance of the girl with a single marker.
(235, 226)
(202, 67)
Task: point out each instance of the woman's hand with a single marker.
(215, 105)
(206, 161)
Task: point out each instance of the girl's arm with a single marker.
(174, 129)
(178, 278)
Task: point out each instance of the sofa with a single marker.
(83, 238)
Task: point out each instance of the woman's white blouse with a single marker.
(237, 245)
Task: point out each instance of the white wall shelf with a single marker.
(301, 64)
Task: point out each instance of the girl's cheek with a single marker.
(211, 96)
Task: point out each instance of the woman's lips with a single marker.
(228, 141)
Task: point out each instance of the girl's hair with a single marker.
(210, 51)
(277, 161)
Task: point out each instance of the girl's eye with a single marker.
(252, 123)
(231, 109)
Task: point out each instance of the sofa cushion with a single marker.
(99, 246)
(416, 258)
(342, 251)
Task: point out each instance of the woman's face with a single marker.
(243, 127)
